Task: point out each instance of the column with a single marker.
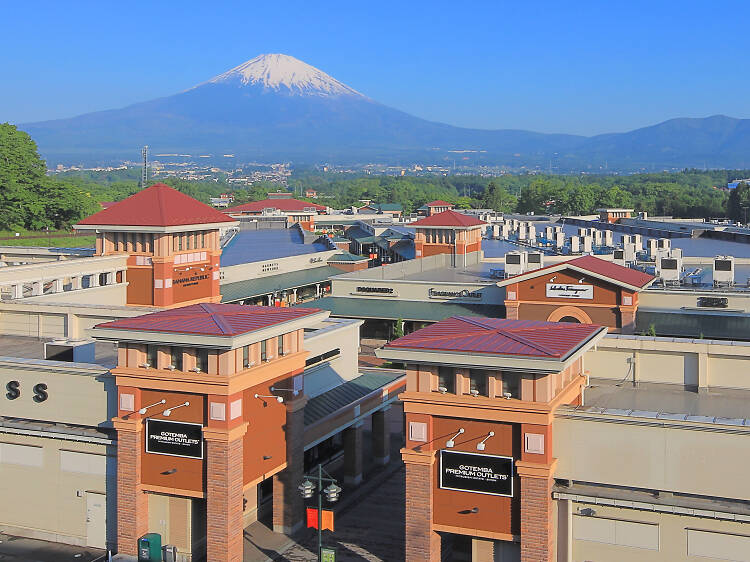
(57, 286)
(288, 505)
(17, 291)
(537, 525)
(317, 290)
(224, 479)
(36, 288)
(422, 543)
(294, 293)
(627, 319)
(270, 300)
(353, 455)
(482, 550)
(76, 283)
(381, 437)
(132, 502)
(94, 280)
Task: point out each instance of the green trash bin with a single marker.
(149, 548)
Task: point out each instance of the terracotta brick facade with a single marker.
(132, 502)
(422, 543)
(224, 540)
(537, 531)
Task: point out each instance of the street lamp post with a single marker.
(332, 493)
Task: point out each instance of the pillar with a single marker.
(132, 502)
(270, 300)
(482, 550)
(17, 291)
(422, 542)
(353, 457)
(76, 283)
(537, 524)
(57, 286)
(294, 298)
(94, 280)
(224, 479)
(36, 288)
(627, 319)
(288, 505)
(381, 437)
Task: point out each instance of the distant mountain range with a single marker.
(277, 108)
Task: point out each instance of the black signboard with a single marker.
(472, 472)
(177, 439)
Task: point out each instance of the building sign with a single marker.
(376, 290)
(473, 472)
(713, 302)
(177, 439)
(464, 294)
(570, 291)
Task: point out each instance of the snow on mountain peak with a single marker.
(281, 72)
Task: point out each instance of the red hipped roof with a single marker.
(286, 205)
(495, 336)
(158, 205)
(449, 218)
(211, 319)
(439, 203)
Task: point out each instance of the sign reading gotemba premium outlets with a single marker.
(570, 291)
(473, 472)
(177, 439)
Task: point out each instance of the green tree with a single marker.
(738, 202)
(498, 199)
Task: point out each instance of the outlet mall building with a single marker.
(547, 432)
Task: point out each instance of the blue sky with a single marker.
(573, 67)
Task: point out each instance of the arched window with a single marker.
(569, 319)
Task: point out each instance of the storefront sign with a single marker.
(376, 290)
(464, 294)
(472, 472)
(177, 439)
(570, 291)
(13, 391)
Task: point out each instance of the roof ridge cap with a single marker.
(217, 319)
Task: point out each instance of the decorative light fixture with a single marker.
(168, 411)
(332, 492)
(307, 489)
(481, 445)
(145, 408)
(278, 399)
(452, 441)
(442, 390)
(552, 279)
(293, 391)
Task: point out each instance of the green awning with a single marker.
(392, 309)
(232, 292)
(345, 394)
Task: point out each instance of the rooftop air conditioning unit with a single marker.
(534, 260)
(559, 239)
(515, 263)
(76, 351)
(664, 243)
(532, 233)
(588, 244)
(609, 239)
(630, 252)
(575, 244)
(523, 231)
(669, 269)
(652, 248)
(724, 271)
(619, 256)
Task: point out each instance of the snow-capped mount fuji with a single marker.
(278, 108)
(284, 73)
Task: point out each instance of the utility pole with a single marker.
(332, 493)
(144, 171)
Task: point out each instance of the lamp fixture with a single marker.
(145, 408)
(481, 445)
(552, 279)
(452, 441)
(475, 510)
(195, 370)
(474, 392)
(170, 471)
(507, 395)
(442, 390)
(581, 280)
(171, 367)
(168, 411)
(292, 390)
(278, 399)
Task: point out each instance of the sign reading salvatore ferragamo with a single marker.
(473, 472)
(570, 291)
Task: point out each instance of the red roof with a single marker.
(495, 336)
(158, 205)
(439, 203)
(286, 205)
(616, 273)
(449, 218)
(210, 319)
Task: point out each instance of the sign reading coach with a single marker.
(472, 472)
(177, 439)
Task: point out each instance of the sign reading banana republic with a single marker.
(473, 472)
(570, 291)
(176, 439)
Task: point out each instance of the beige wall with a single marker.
(253, 270)
(685, 457)
(671, 535)
(76, 394)
(692, 362)
(677, 300)
(107, 295)
(342, 334)
(45, 486)
(171, 517)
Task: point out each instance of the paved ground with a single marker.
(16, 549)
(371, 529)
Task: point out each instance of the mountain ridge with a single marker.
(276, 107)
